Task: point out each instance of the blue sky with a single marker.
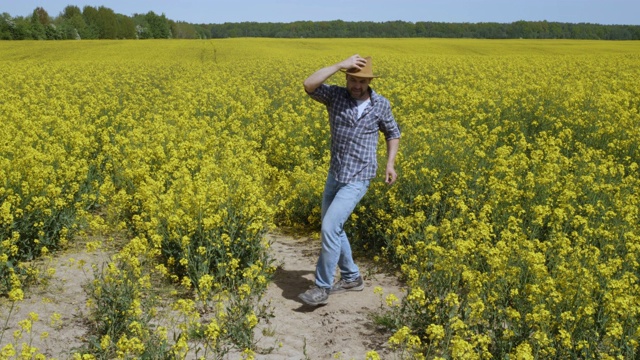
(625, 12)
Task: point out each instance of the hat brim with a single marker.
(357, 74)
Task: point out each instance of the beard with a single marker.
(359, 94)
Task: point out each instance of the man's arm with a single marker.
(319, 77)
(392, 150)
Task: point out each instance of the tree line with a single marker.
(397, 29)
(95, 23)
(103, 23)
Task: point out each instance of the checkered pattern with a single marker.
(354, 140)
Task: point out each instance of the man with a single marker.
(356, 116)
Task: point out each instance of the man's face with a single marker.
(358, 87)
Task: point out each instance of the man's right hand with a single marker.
(356, 61)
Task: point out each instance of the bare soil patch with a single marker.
(59, 301)
(342, 329)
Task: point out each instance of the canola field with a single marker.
(514, 222)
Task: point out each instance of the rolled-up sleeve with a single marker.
(322, 94)
(388, 125)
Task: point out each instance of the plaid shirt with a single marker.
(354, 140)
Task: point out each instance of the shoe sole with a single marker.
(312, 303)
(355, 288)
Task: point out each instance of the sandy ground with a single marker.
(60, 303)
(342, 329)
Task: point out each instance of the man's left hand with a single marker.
(391, 175)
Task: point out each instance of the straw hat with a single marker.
(365, 72)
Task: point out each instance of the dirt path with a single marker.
(60, 303)
(342, 329)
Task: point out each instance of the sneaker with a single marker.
(344, 285)
(315, 296)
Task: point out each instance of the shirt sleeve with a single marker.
(323, 94)
(388, 124)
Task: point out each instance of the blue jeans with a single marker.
(338, 201)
